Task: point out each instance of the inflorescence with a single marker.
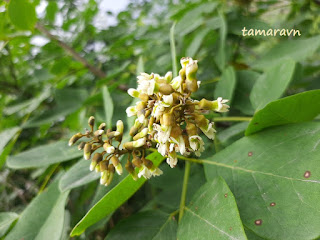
(165, 115)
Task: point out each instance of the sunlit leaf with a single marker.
(212, 214)
(22, 14)
(6, 219)
(156, 225)
(43, 155)
(272, 84)
(274, 176)
(297, 108)
(43, 217)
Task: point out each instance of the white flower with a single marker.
(162, 148)
(197, 144)
(157, 110)
(133, 92)
(110, 149)
(156, 172)
(168, 77)
(146, 83)
(198, 83)
(172, 159)
(139, 143)
(176, 83)
(167, 100)
(180, 143)
(131, 111)
(222, 107)
(141, 118)
(163, 132)
(145, 172)
(208, 130)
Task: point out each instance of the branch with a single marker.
(96, 71)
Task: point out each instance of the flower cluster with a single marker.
(165, 115)
(169, 116)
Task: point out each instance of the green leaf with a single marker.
(113, 199)
(78, 175)
(212, 214)
(226, 85)
(193, 18)
(67, 101)
(245, 81)
(196, 43)
(272, 84)
(274, 176)
(6, 136)
(155, 224)
(236, 26)
(229, 135)
(297, 50)
(221, 56)
(43, 155)
(22, 14)
(297, 108)
(6, 219)
(108, 106)
(43, 217)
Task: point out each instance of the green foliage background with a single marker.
(260, 179)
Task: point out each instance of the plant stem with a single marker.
(173, 51)
(184, 189)
(46, 180)
(232, 119)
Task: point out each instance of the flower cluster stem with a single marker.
(232, 119)
(184, 189)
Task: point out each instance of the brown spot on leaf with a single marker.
(230, 228)
(272, 204)
(226, 195)
(235, 161)
(173, 218)
(196, 208)
(258, 222)
(307, 174)
(256, 123)
(250, 154)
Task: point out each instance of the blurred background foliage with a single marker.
(56, 60)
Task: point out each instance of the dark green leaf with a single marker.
(221, 55)
(212, 214)
(245, 81)
(297, 108)
(108, 106)
(196, 43)
(229, 135)
(226, 85)
(155, 224)
(297, 50)
(78, 175)
(272, 84)
(22, 14)
(113, 199)
(43, 155)
(6, 219)
(274, 176)
(43, 217)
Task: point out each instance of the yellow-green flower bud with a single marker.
(147, 163)
(112, 134)
(207, 105)
(116, 163)
(167, 119)
(120, 127)
(168, 77)
(75, 138)
(136, 161)
(98, 133)
(144, 97)
(133, 92)
(108, 147)
(141, 134)
(97, 157)
(191, 129)
(201, 120)
(81, 145)
(191, 86)
(102, 126)
(166, 89)
(111, 171)
(91, 122)
(87, 151)
(131, 170)
(191, 70)
(104, 165)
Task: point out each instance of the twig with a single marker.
(96, 71)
